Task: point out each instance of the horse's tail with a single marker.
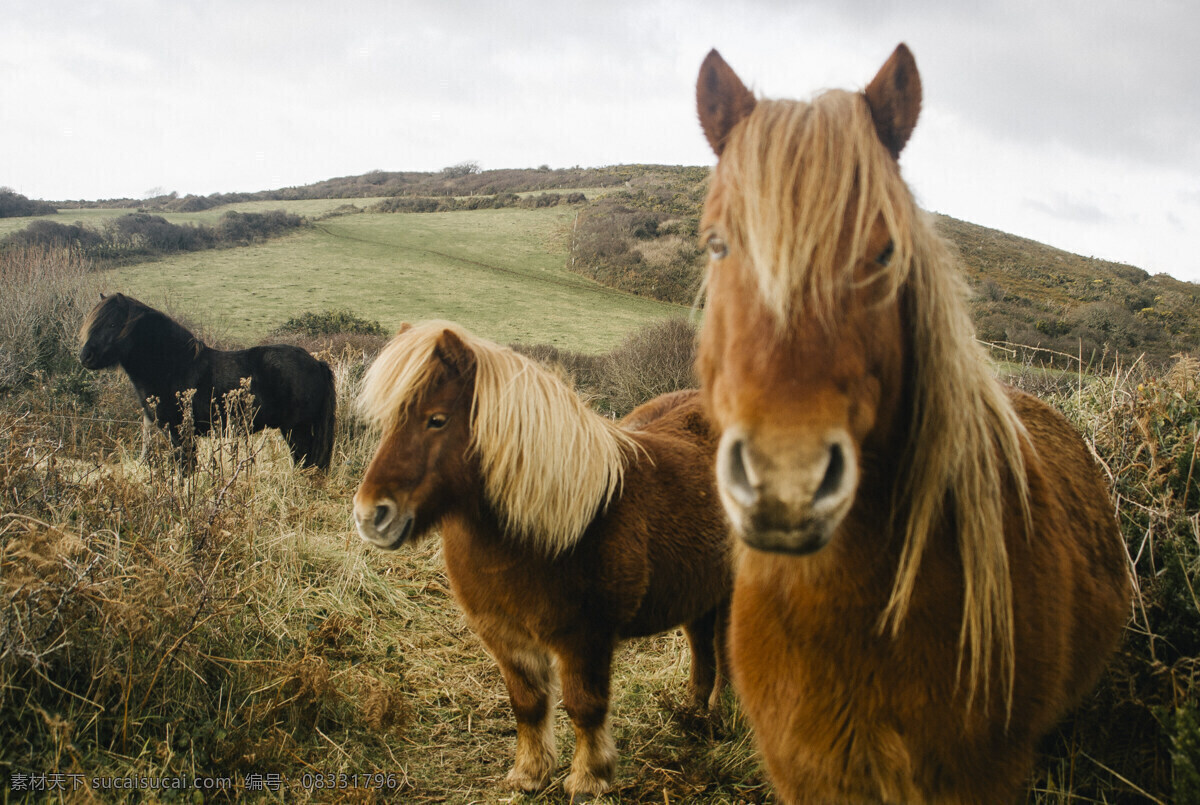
(321, 451)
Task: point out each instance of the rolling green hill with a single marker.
(514, 272)
(501, 273)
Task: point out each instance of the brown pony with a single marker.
(563, 531)
(932, 573)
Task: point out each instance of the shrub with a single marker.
(654, 360)
(637, 249)
(196, 203)
(15, 205)
(1142, 721)
(44, 296)
(460, 170)
(246, 227)
(585, 372)
(141, 234)
(52, 235)
(329, 322)
(657, 359)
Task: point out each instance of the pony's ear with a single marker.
(721, 99)
(102, 297)
(894, 96)
(404, 328)
(451, 351)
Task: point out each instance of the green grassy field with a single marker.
(502, 273)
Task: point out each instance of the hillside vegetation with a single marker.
(634, 228)
(643, 238)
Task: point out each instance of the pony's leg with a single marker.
(704, 635)
(147, 436)
(528, 675)
(701, 636)
(585, 675)
(721, 646)
(300, 445)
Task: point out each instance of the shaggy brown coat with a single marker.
(931, 572)
(469, 428)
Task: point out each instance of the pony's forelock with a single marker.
(398, 376)
(549, 463)
(780, 196)
(797, 167)
(107, 308)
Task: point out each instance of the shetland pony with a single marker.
(930, 573)
(563, 531)
(292, 390)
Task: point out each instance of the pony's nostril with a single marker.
(737, 474)
(834, 471)
(383, 513)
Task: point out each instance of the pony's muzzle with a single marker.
(786, 493)
(381, 523)
(87, 357)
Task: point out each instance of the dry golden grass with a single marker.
(231, 624)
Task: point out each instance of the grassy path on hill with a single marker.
(501, 273)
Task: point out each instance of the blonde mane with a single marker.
(788, 175)
(550, 464)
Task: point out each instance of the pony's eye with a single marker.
(886, 255)
(717, 247)
(436, 422)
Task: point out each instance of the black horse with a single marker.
(292, 390)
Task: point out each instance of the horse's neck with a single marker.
(161, 354)
(473, 536)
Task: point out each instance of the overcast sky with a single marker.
(1073, 123)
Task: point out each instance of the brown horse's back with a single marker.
(685, 402)
(1075, 557)
(680, 529)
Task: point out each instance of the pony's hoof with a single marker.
(584, 786)
(523, 781)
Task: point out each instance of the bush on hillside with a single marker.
(1142, 722)
(329, 322)
(637, 249)
(55, 236)
(657, 359)
(140, 235)
(15, 205)
(331, 333)
(145, 233)
(248, 227)
(474, 202)
(585, 372)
